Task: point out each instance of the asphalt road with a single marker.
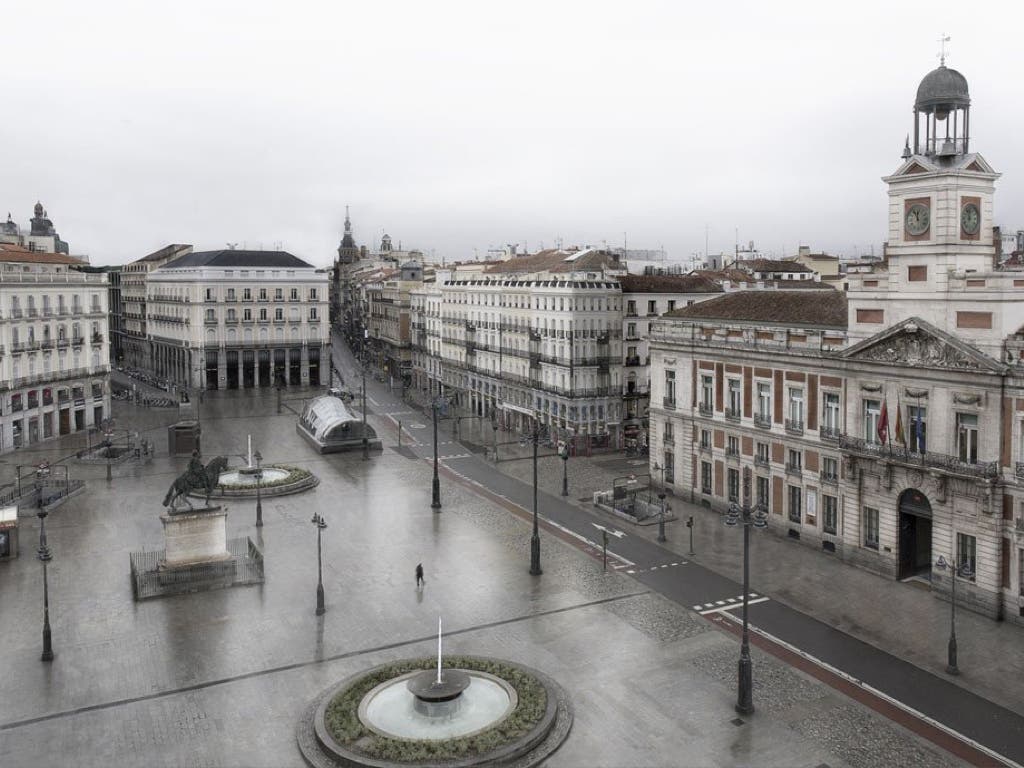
(692, 586)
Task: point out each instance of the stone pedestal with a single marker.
(195, 538)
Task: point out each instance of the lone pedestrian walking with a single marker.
(420, 581)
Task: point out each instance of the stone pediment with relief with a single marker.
(916, 343)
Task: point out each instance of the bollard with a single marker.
(689, 524)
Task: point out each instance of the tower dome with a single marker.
(942, 90)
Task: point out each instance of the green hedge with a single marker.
(342, 714)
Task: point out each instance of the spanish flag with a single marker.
(900, 437)
(883, 425)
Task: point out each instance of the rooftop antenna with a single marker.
(943, 39)
(231, 246)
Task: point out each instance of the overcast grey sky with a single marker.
(456, 126)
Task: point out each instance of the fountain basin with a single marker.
(246, 477)
(393, 710)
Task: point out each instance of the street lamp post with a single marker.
(963, 570)
(749, 517)
(494, 426)
(320, 523)
(259, 480)
(435, 502)
(44, 556)
(565, 469)
(661, 498)
(366, 443)
(535, 569)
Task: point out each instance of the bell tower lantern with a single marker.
(942, 114)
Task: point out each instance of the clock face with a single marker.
(917, 219)
(970, 219)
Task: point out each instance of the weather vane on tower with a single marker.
(943, 39)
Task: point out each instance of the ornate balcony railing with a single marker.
(762, 421)
(794, 427)
(934, 460)
(826, 432)
(761, 461)
(794, 469)
(705, 409)
(828, 477)
(732, 414)
(1019, 470)
(669, 403)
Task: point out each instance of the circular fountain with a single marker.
(246, 476)
(458, 712)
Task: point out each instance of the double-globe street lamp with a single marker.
(749, 517)
(964, 571)
(564, 456)
(44, 555)
(320, 523)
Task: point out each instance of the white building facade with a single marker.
(238, 320)
(55, 372)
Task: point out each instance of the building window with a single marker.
(966, 555)
(210, 317)
(705, 477)
(871, 527)
(668, 436)
(231, 315)
(209, 294)
(917, 428)
(732, 447)
(652, 307)
(263, 294)
(735, 398)
(312, 313)
(830, 413)
(279, 314)
(795, 462)
(631, 308)
(830, 522)
(762, 492)
(762, 453)
(247, 314)
(705, 439)
(733, 481)
(707, 393)
(631, 331)
(764, 401)
(263, 313)
(796, 407)
(231, 294)
(670, 467)
(278, 294)
(967, 437)
(312, 294)
(829, 469)
(670, 388)
(247, 294)
(872, 412)
(671, 304)
(795, 510)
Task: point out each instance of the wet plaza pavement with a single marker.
(219, 678)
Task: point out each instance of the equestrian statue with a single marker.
(194, 478)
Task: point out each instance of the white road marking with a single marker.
(611, 531)
(724, 607)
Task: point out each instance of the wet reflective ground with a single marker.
(219, 678)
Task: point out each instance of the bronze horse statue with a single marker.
(194, 478)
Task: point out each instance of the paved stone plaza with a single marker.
(220, 678)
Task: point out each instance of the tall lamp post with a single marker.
(661, 498)
(435, 496)
(749, 517)
(535, 569)
(564, 455)
(494, 426)
(963, 570)
(320, 523)
(259, 480)
(44, 556)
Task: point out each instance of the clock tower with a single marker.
(940, 198)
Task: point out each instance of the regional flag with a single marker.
(900, 437)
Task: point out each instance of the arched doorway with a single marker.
(915, 534)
